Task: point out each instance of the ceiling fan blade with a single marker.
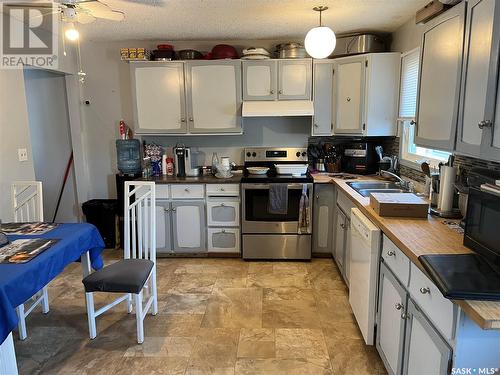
(153, 3)
(101, 10)
(82, 17)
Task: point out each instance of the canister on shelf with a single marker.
(132, 53)
(124, 53)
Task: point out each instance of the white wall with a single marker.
(407, 37)
(107, 88)
(14, 134)
(14, 128)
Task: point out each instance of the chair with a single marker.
(27, 205)
(136, 273)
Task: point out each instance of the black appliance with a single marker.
(482, 223)
(359, 158)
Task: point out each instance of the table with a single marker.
(18, 282)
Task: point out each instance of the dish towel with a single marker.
(278, 199)
(304, 211)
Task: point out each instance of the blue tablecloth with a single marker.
(18, 282)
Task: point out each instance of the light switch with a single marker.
(23, 154)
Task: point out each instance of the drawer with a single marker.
(180, 191)
(223, 212)
(224, 240)
(440, 311)
(396, 260)
(162, 191)
(223, 190)
(344, 203)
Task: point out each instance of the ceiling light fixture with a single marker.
(71, 32)
(320, 41)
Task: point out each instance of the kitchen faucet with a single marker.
(406, 185)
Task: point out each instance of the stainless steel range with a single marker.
(270, 235)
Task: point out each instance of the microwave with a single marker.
(482, 224)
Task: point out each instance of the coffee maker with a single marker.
(359, 158)
(184, 161)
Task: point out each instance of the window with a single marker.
(410, 152)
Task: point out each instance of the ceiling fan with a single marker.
(81, 11)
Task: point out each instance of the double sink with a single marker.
(365, 188)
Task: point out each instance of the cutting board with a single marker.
(399, 204)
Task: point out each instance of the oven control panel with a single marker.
(269, 154)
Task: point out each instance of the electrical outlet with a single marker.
(23, 154)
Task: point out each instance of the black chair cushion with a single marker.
(124, 276)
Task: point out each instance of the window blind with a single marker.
(409, 85)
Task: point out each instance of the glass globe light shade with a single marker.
(320, 42)
(71, 33)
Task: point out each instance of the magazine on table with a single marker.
(35, 228)
(23, 250)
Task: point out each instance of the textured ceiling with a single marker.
(246, 19)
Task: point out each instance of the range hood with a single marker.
(283, 108)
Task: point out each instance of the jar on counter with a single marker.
(170, 166)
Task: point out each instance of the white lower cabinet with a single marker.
(323, 218)
(391, 327)
(426, 352)
(163, 227)
(226, 240)
(223, 212)
(188, 226)
(407, 341)
(340, 238)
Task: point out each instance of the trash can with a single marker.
(102, 213)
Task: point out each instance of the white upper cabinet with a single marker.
(439, 84)
(159, 100)
(260, 80)
(357, 105)
(214, 96)
(277, 79)
(322, 95)
(294, 79)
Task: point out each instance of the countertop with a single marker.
(417, 237)
(163, 179)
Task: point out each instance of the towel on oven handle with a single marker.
(278, 199)
(304, 211)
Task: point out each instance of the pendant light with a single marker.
(320, 41)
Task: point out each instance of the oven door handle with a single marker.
(266, 186)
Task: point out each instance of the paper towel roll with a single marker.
(447, 188)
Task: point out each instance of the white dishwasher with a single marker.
(365, 249)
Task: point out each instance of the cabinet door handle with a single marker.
(391, 253)
(174, 209)
(222, 205)
(485, 124)
(280, 92)
(186, 190)
(405, 315)
(271, 92)
(342, 226)
(316, 125)
(399, 306)
(183, 119)
(222, 189)
(413, 122)
(166, 209)
(425, 290)
(348, 99)
(191, 119)
(223, 231)
(317, 196)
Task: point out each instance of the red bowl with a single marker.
(165, 46)
(224, 51)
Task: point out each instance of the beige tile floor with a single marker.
(217, 316)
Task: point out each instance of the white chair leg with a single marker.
(129, 303)
(155, 295)
(45, 300)
(139, 317)
(23, 334)
(89, 298)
